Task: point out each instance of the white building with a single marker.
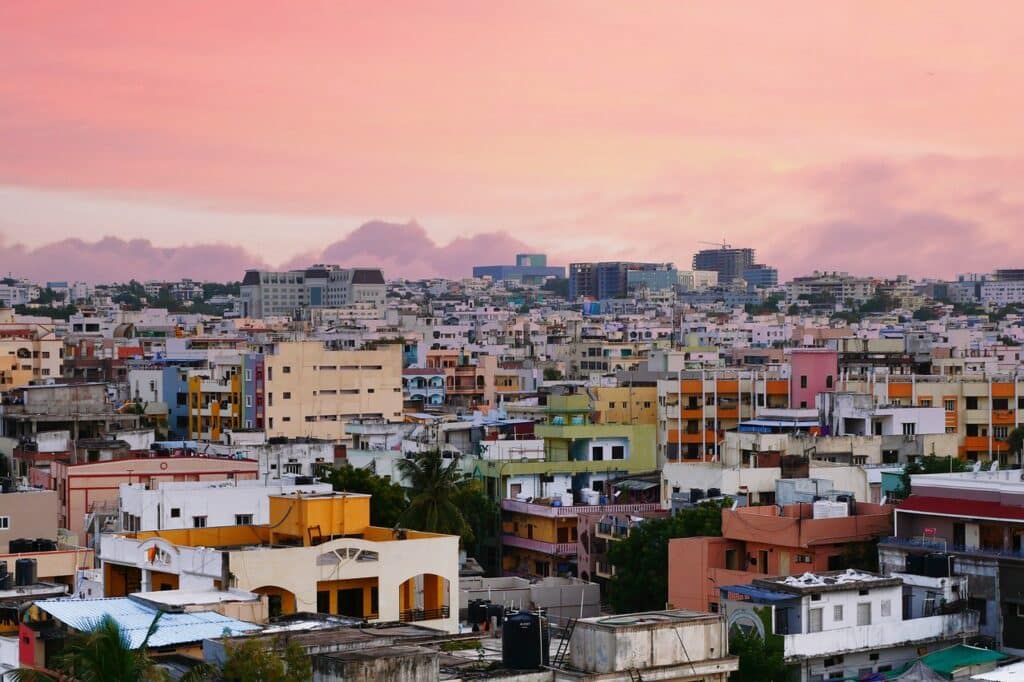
(856, 414)
(265, 293)
(843, 624)
(202, 504)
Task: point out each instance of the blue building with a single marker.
(761, 276)
(426, 385)
(615, 279)
(530, 268)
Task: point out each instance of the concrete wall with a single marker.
(395, 663)
(29, 515)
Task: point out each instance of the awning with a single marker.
(632, 484)
(757, 593)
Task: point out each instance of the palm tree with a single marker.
(434, 484)
(101, 653)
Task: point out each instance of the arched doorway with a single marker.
(426, 596)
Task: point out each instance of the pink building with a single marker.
(814, 371)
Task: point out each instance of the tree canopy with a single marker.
(389, 500)
(929, 465)
(640, 582)
(761, 660)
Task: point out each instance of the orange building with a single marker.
(762, 541)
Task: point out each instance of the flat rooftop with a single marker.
(647, 619)
(827, 581)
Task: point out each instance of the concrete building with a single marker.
(729, 263)
(89, 492)
(812, 371)
(842, 624)
(319, 554)
(830, 288)
(967, 524)
(686, 646)
(292, 293)
(29, 353)
(856, 414)
(530, 268)
(769, 541)
(27, 513)
(312, 391)
(601, 281)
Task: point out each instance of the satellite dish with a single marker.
(995, 465)
(977, 466)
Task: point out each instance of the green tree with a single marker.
(433, 506)
(389, 501)
(929, 465)
(552, 374)
(925, 314)
(253, 660)
(58, 313)
(761, 659)
(102, 653)
(1015, 440)
(479, 510)
(640, 582)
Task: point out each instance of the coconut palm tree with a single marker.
(434, 484)
(101, 653)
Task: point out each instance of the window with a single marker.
(248, 375)
(886, 607)
(926, 402)
(972, 402)
(618, 452)
(597, 453)
(287, 395)
(834, 660)
(5, 522)
(286, 419)
(814, 620)
(864, 613)
(909, 428)
(828, 381)
(816, 597)
(1001, 432)
(270, 373)
(286, 369)
(950, 405)
(803, 381)
(270, 400)
(175, 512)
(243, 519)
(837, 613)
(199, 522)
(248, 401)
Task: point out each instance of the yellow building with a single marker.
(625, 404)
(981, 410)
(319, 553)
(28, 352)
(312, 391)
(214, 405)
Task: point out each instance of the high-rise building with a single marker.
(730, 264)
(265, 293)
(615, 279)
(761, 276)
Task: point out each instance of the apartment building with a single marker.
(312, 391)
(468, 382)
(268, 294)
(29, 353)
(833, 287)
(967, 524)
(320, 554)
(981, 410)
(843, 624)
(770, 541)
(697, 408)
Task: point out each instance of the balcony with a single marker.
(549, 548)
(550, 512)
(939, 546)
(879, 636)
(694, 438)
(1004, 417)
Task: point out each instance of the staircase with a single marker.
(563, 645)
(634, 675)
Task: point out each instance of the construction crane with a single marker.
(723, 244)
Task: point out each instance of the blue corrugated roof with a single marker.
(135, 619)
(757, 593)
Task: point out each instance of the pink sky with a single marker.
(873, 137)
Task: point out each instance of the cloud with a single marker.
(402, 250)
(118, 260)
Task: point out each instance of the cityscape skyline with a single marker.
(634, 138)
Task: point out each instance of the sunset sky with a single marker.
(873, 137)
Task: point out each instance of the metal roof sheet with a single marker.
(135, 619)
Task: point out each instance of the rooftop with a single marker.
(648, 619)
(829, 581)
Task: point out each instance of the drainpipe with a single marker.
(703, 418)
(679, 416)
(990, 418)
(716, 417)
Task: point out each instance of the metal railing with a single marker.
(416, 615)
(941, 545)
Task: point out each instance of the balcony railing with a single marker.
(550, 548)
(576, 509)
(416, 615)
(879, 636)
(939, 545)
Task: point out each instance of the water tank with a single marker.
(714, 492)
(915, 564)
(21, 545)
(46, 545)
(8, 485)
(477, 611)
(495, 611)
(304, 480)
(937, 565)
(24, 572)
(590, 497)
(525, 640)
(696, 494)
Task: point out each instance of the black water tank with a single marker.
(20, 546)
(525, 640)
(696, 494)
(45, 545)
(6, 582)
(304, 480)
(24, 572)
(714, 492)
(496, 611)
(477, 612)
(915, 564)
